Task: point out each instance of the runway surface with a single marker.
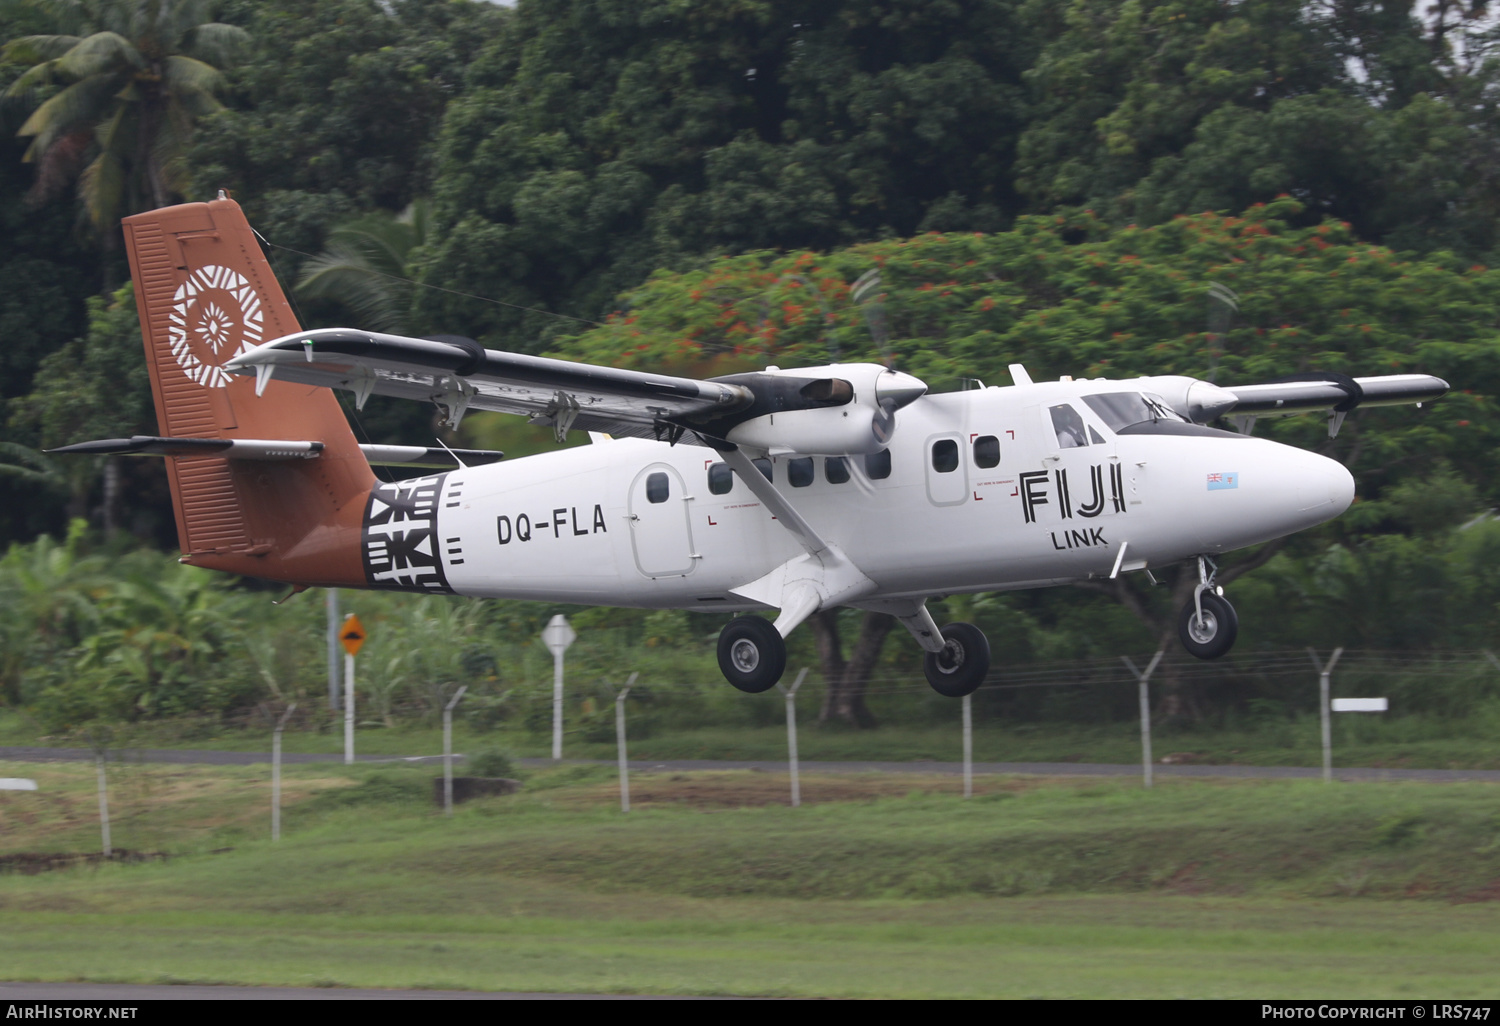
(1049, 769)
(115, 993)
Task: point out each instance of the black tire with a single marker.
(752, 654)
(962, 665)
(1217, 633)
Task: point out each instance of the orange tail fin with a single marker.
(206, 293)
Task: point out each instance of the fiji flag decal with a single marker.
(1223, 480)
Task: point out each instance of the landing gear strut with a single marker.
(1208, 624)
(752, 654)
(962, 664)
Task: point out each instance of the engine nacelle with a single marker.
(835, 410)
(1197, 400)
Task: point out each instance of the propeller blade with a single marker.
(866, 292)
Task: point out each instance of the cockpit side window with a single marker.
(1120, 410)
(1071, 433)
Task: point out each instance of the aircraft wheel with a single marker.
(752, 654)
(1215, 635)
(962, 664)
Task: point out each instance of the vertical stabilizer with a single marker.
(206, 293)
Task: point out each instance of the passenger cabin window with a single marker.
(878, 465)
(836, 469)
(799, 472)
(987, 451)
(1068, 423)
(1120, 410)
(945, 455)
(720, 479)
(657, 488)
(764, 466)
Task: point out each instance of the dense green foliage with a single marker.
(696, 187)
(135, 637)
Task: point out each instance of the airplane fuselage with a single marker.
(987, 490)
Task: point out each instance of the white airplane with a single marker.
(791, 490)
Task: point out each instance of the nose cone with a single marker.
(1340, 487)
(1278, 490)
(1325, 488)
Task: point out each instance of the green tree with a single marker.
(333, 110)
(98, 386)
(363, 267)
(597, 141)
(121, 84)
(1377, 113)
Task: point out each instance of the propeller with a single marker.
(1223, 304)
(866, 292)
(893, 389)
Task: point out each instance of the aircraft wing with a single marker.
(1307, 393)
(460, 375)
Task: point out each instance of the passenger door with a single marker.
(660, 531)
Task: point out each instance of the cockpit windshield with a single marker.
(1120, 410)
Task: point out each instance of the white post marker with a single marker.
(1324, 707)
(1360, 705)
(331, 606)
(17, 784)
(1143, 683)
(791, 732)
(557, 636)
(620, 743)
(968, 748)
(103, 806)
(448, 750)
(276, 772)
(352, 634)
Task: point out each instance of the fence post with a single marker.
(348, 709)
(1324, 673)
(1143, 683)
(968, 748)
(103, 805)
(448, 750)
(620, 743)
(791, 732)
(276, 772)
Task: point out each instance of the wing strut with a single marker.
(822, 578)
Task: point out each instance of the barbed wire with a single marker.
(1106, 671)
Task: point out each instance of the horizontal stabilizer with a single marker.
(278, 449)
(230, 448)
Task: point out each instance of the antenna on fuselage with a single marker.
(462, 465)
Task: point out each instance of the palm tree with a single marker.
(363, 264)
(121, 87)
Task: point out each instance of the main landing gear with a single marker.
(1207, 625)
(752, 654)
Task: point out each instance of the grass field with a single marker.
(881, 885)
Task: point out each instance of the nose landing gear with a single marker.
(1207, 625)
(962, 664)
